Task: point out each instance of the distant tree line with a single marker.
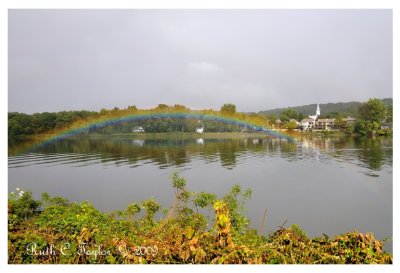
(371, 116)
(21, 124)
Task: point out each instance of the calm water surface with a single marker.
(326, 185)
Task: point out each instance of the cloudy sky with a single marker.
(256, 59)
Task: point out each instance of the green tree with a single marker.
(333, 114)
(152, 207)
(289, 114)
(372, 114)
(204, 199)
(178, 182)
(23, 205)
(103, 111)
(235, 201)
(132, 210)
(132, 108)
(374, 110)
(271, 118)
(228, 108)
(179, 107)
(389, 113)
(283, 118)
(339, 122)
(162, 107)
(291, 125)
(366, 127)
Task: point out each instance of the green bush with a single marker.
(72, 218)
(204, 199)
(152, 207)
(22, 205)
(235, 201)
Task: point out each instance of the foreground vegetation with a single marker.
(197, 228)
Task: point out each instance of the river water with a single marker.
(325, 185)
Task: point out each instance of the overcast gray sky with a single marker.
(256, 59)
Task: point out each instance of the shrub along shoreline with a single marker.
(54, 230)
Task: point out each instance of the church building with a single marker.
(310, 122)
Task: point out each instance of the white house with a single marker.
(200, 130)
(307, 124)
(137, 129)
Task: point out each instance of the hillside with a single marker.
(346, 108)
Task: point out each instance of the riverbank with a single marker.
(54, 230)
(144, 136)
(187, 135)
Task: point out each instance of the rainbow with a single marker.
(103, 121)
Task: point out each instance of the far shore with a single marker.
(218, 135)
(190, 135)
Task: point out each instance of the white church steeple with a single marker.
(318, 112)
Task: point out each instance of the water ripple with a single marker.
(367, 156)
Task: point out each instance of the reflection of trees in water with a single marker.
(227, 153)
(163, 152)
(372, 152)
(289, 150)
